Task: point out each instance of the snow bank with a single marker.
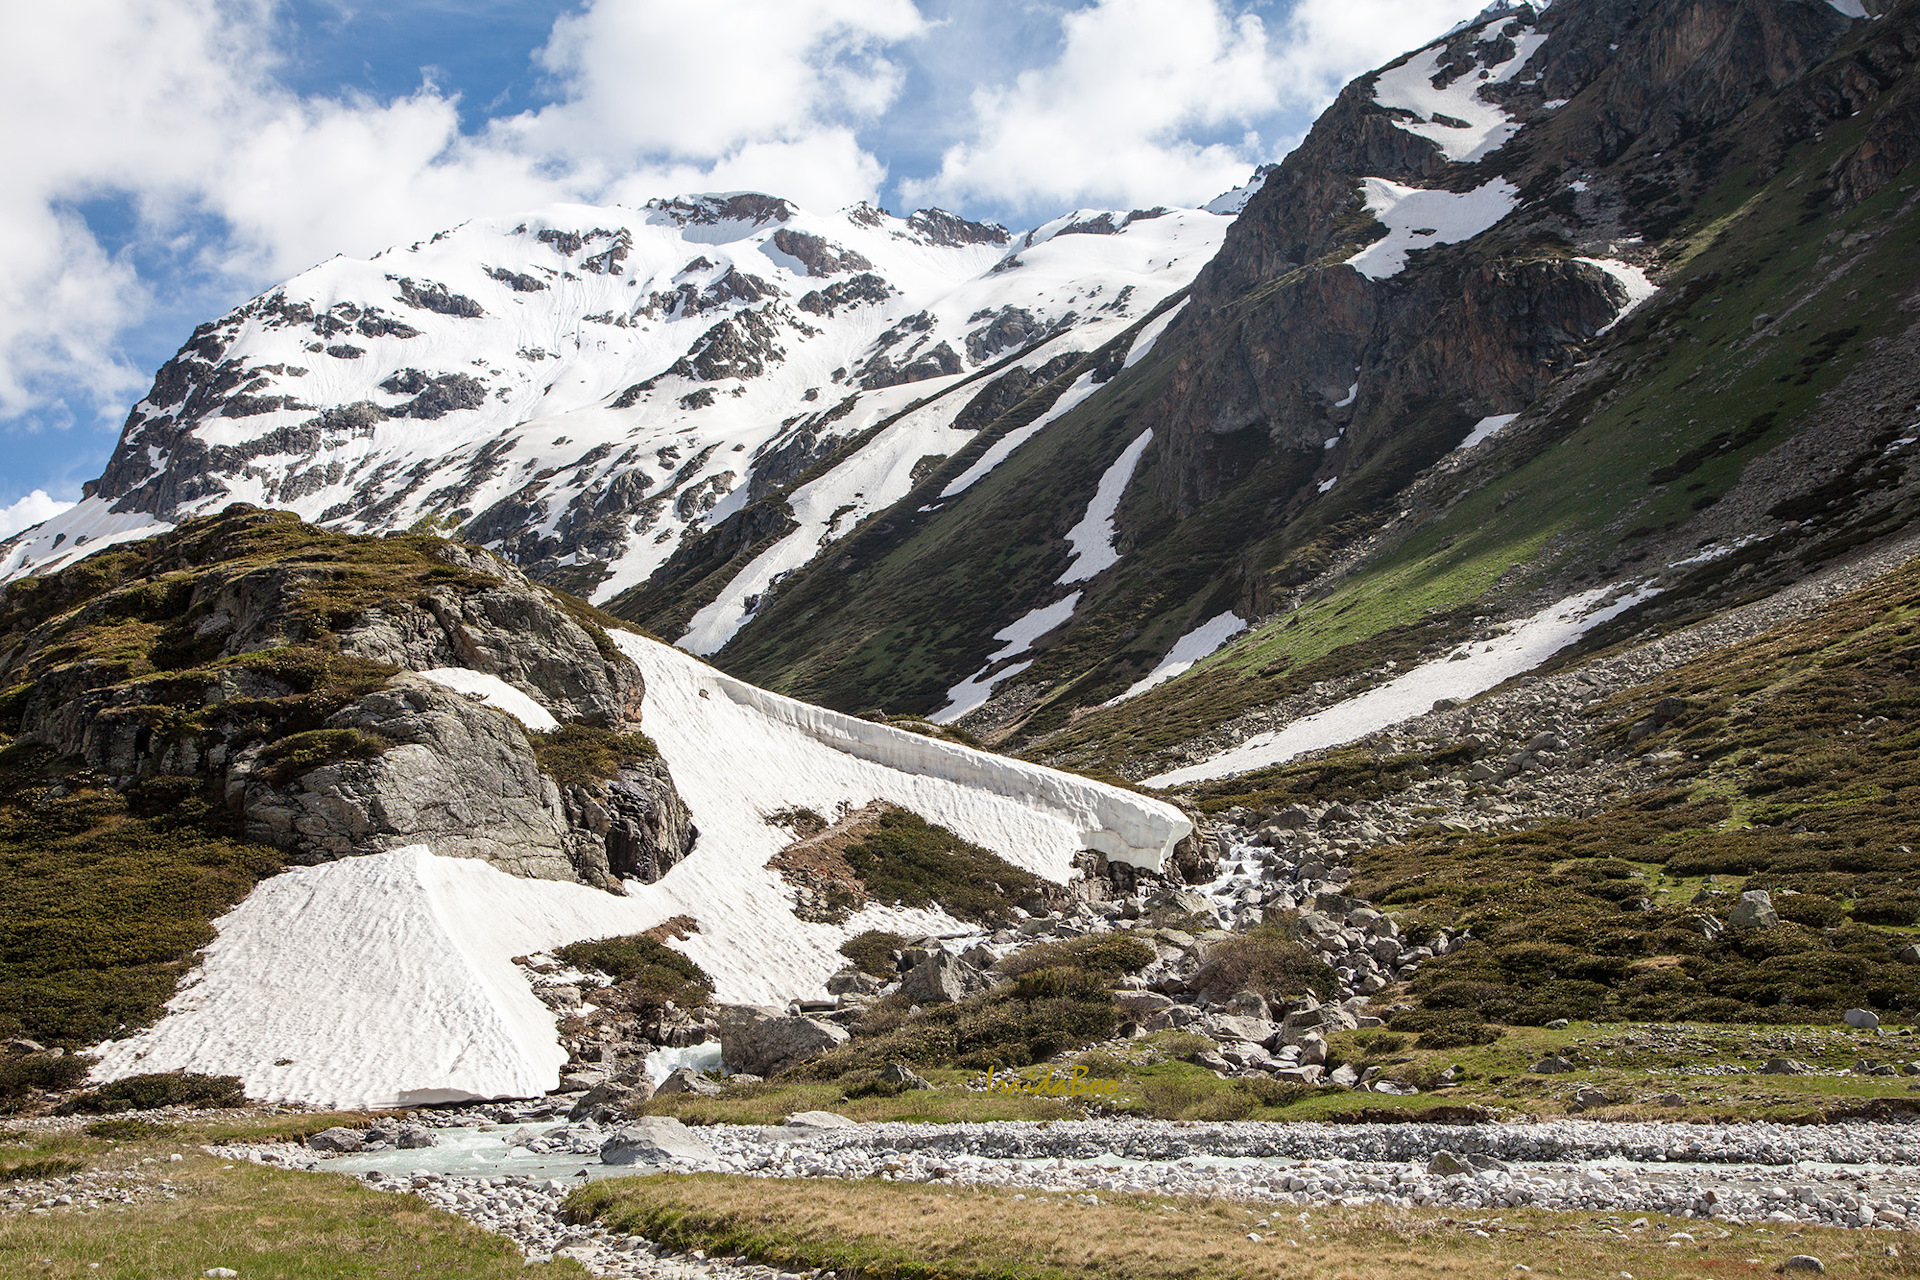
(1198, 643)
(72, 533)
(495, 692)
(1092, 538)
(1417, 219)
(1487, 428)
(1469, 670)
(1631, 278)
(1019, 636)
(1151, 334)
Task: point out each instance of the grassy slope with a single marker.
(927, 1232)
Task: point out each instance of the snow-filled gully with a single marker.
(389, 979)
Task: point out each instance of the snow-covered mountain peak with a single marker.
(578, 386)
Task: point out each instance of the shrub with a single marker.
(1899, 910)
(35, 1170)
(582, 754)
(19, 1077)
(1269, 961)
(647, 973)
(800, 822)
(873, 952)
(1439, 1028)
(300, 753)
(1110, 954)
(913, 862)
(163, 1089)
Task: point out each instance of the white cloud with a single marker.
(29, 511)
(174, 107)
(1115, 118)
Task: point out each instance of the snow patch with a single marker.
(1417, 219)
(388, 980)
(1151, 334)
(1019, 636)
(1471, 669)
(1851, 8)
(1487, 428)
(1198, 643)
(1326, 486)
(1353, 393)
(1464, 125)
(1631, 278)
(1092, 538)
(1002, 449)
(495, 692)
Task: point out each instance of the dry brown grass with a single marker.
(894, 1231)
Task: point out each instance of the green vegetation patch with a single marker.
(911, 862)
(873, 952)
(106, 898)
(161, 1089)
(583, 754)
(1789, 763)
(648, 975)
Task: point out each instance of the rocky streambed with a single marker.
(1858, 1175)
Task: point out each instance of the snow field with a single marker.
(1639, 288)
(1483, 126)
(1092, 538)
(1487, 429)
(388, 980)
(1472, 669)
(495, 692)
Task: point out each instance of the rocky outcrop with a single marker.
(273, 666)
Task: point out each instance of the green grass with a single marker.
(583, 754)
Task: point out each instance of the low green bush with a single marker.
(648, 974)
(1270, 961)
(910, 861)
(1110, 954)
(20, 1077)
(873, 952)
(582, 754)
(161, 1089)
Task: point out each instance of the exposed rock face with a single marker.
(762, 1041)
(462, 780)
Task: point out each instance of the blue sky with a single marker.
(180, 156)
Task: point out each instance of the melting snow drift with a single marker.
(1417, 219)
(1470, 670)
(389, 979)
(1201, 642)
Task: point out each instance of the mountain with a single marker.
(1498, 516)
(1605, 294)
(581, 387)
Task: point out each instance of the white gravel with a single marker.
(1855, 1175)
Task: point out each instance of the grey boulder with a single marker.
(337, 1140)
(1754, 911)
(762, 1041)
(655, 1140)
(687, 1080)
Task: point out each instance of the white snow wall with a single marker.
(772, 748)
